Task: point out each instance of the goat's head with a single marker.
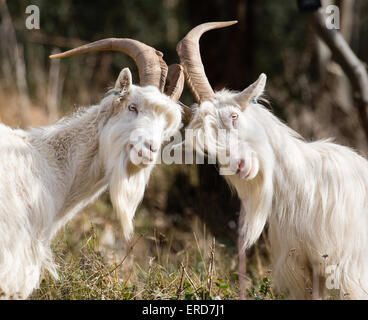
(146, 115)
(140, 119)
(222, 125)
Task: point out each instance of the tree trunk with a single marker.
(354, 69)
(228, 63)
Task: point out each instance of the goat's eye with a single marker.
(133, 107)
(234, 116)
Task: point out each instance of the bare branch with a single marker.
(349, 62)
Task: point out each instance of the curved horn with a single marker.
(175, 82)
(174, 88)
(152, 68)
(190, 58)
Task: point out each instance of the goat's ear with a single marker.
(253, 92)
(124, 81)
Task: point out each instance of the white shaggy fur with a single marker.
(48, 175)
(314, 195)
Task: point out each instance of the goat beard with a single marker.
(127, 185)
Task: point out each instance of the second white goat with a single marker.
(314, 195)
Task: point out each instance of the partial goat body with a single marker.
(314, 195)
(315, 199)
(46, 176)
(25, 197)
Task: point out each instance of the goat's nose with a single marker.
(151, 145)
(241, 164)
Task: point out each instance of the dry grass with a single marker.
(150, 267)
(161, 262)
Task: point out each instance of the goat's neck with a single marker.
(74, 145)
(282, 155)
(292, 157)
(71, 147)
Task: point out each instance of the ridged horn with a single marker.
(151, 66)
(190, 58)
(175, 82)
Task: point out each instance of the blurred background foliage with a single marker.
(182, 203)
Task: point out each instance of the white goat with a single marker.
(314, 195)
(47, 175)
